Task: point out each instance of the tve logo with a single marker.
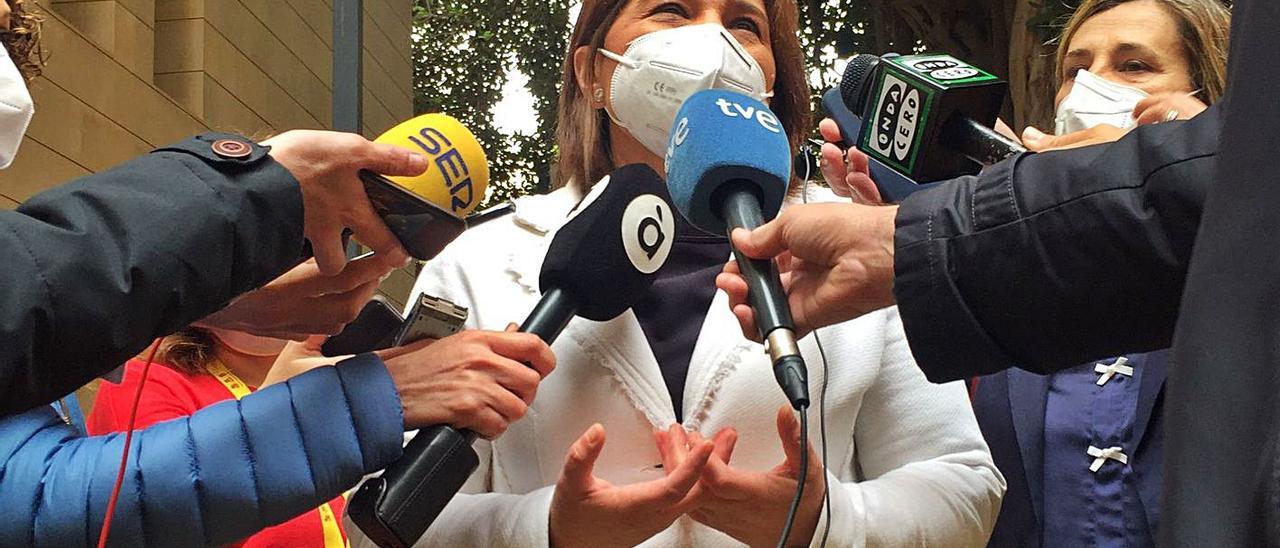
(897, 115)
(765, 118)
(457, 176)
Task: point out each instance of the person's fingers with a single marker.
(486, 422)
(1004, 129)
(576, 476)
(1153, 115)
(789, 433)
(512, 328)
(665, 452)
(307, 278)
(372, 231)
(390, 160)
(388, 354)
(725, 482)
(312, 345)
(678, 444)
(685, 476)
(1146, 104)
(326, 246)
(858, 161)
(734, 285)
(516, 378)
(747, 320)
(724, 442)
(830, 131)
(509, 405)
(731, 267)
(863, 188)
(524, 347)
(833, 168)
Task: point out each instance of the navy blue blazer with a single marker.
(1010, 409)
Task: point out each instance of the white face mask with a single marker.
(1093, 101)
(248, 344)
(16, 109)
(663, 68)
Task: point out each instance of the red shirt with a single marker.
(171, 394)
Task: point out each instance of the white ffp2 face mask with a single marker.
(663, 68)
(1094, 101)
(16, 109)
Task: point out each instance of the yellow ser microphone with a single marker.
(428, 211)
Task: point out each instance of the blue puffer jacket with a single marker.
(214, 477)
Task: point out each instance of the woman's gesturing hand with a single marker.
(589, 511)
(752, 506)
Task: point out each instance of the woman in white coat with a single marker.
(698, 452)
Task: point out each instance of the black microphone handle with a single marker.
(978, 142)
(741, 209)
(552, 313)
(396, 508)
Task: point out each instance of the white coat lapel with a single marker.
(620, 347)
(541, 215)
(719, 351)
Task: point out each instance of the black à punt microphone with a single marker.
(599, 264)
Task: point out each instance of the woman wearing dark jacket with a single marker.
(1082, 448)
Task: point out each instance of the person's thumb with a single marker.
(312, 346)
(1037, 140)
(789, 433)
(580, 464)
(765, 242)
(392, 160)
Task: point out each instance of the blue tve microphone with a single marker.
(728, 163)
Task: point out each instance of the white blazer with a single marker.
(907, 464)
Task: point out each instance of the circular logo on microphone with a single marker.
(648, 231)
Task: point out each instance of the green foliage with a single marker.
(462, 52)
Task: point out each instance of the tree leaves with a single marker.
(462, 52)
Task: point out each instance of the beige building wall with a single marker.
(126, 76)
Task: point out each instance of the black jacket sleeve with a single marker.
(97, 268)
(1047, 260)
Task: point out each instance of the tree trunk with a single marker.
(993, 35)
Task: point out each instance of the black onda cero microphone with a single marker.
(929, 117)
(600, 263)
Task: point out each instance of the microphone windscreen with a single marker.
(458, 172)
(606, 256)
(722, 138)
(855, 82)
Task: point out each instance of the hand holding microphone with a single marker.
(836, 262)
(403, 195)
(303, 301)
(327, 165)
(480, 381)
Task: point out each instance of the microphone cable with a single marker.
(822, 432)
(800, 478)
(806, 149)
(128, 439)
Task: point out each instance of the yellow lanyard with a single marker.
(328, 521)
